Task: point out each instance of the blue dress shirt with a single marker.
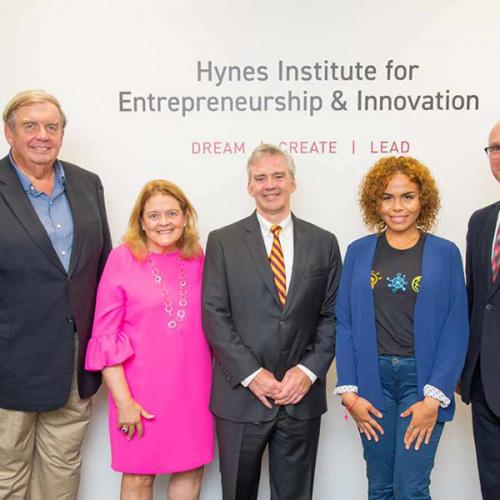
(54, 211)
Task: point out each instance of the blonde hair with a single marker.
(135, 237)
(26, 98)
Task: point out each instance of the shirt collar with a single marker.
(28, 186)
(265, 225)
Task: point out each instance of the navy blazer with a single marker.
(484, 307)
(42, 304)
(440, 323)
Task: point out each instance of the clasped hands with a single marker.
(423, 419)
(290, 390)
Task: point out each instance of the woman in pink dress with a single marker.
(149, 343)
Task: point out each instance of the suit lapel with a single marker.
(12, 192)
(75, 195)
(300, 257)
(257, 248)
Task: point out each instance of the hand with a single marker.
(129, 417)
(423, 419)
(362, 412)
(294, 386)
(264, 386)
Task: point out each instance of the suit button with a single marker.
(282, 323)
(489, 307)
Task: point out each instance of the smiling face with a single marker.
(271, 184)
(35, 136)
(163, 223)
(400, 205)
(494, 156)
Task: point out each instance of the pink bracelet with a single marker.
(350, 407)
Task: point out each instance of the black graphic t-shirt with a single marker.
(395, 281)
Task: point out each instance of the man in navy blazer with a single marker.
(481, 375)
(54, 241)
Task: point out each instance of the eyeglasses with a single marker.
(492, 150)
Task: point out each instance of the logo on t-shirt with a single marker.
(398, 283)
(375, 278)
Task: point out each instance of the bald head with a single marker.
(494, 137)
(494, 156)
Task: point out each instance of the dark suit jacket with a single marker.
(484, 307)
(248, 329)
(41, 304)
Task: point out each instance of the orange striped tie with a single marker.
(277, 262)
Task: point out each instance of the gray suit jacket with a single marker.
(248, 329)
(41, 305)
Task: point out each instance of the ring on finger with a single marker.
(124, 429)
(411, 427)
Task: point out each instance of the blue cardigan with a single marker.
(440, 323)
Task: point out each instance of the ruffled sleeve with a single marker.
(109, 345)
(108, 350)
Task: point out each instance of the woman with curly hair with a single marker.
(402, 329)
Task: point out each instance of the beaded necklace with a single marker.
(180, 314)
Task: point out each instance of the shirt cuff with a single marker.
(309, 373)
(246, 381)
(341, 389)
(434, 392)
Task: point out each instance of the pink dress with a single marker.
(168, 370)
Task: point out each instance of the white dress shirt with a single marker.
(286, 240)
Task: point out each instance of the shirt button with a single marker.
(282, 323)
(489, 307)
(58, 226)
(63, 252)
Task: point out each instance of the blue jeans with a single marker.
(395, 473)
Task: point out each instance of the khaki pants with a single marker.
(40, 451)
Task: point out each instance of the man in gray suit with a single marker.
(54, 241)
(269, 290)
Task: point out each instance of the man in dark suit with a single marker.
(54, 241)
(269, 290)
(481, 375)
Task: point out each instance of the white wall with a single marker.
(86, 52)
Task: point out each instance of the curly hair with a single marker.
(375, 182)
(135, 237)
